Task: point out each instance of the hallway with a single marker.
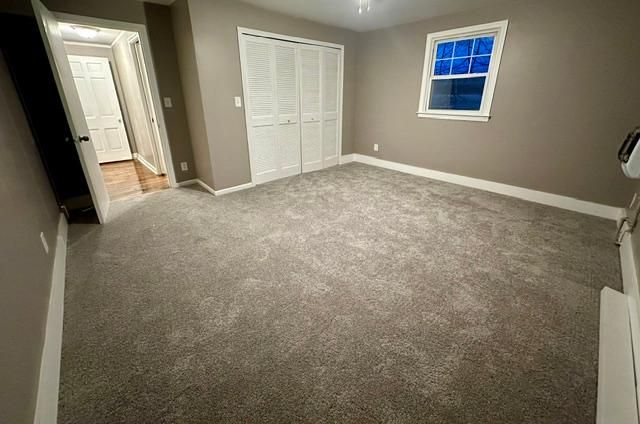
(130, 178)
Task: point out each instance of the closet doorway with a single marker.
(293, 103)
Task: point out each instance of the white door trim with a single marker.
(150, 112)
(257, 33)
(151, 73)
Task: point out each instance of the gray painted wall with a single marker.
(28, 207)
(163, 51)
(165, 61)
(215, 36)
(567, 94)
(190, 80)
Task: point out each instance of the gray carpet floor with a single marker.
(353, 294)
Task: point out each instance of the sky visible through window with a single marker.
(471, 56)
(454, 59)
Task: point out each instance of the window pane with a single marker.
(460, 66)
(463, 48)
(457, 93)
(445, 50)
(443, 67)
(483, 45)
(480, 64)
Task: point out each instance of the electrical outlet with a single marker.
(238, 101)
(44, 242)
(184, 166)
(375, 148)
(168, 103)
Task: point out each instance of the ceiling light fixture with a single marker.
(364, 5)
(85, 32)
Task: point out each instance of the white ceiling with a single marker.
(105, 36)
(384, 13)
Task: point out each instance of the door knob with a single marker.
(83, 138)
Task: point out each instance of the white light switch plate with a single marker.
(168, 103)
(45, 245)
(238, 101)
(375, 148)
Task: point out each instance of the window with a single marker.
(460, 71)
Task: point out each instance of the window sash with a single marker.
(495, 29)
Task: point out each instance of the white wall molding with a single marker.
(48, 384)
(541, 197)
(205, 186)
(346, 159)
(216, 192)
(234, 189)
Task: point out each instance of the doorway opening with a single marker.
(110, 75)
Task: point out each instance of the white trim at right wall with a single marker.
(549, 199)
(49, 382)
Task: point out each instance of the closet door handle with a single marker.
(83, 138)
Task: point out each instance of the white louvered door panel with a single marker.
(311, 105)
(288, 113)
(259, 68)
(330, 106)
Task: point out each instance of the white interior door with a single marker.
(50, 31)
(154, 129)
(330, 106)
(311, 105)
(97, 90)
(287, 109)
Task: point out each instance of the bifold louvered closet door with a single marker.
(271, 78)
(330, 106)
(292, 95)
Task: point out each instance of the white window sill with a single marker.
(474, 118)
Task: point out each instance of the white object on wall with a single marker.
(616, 381)
(49, 381)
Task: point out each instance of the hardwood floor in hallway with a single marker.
(130, 178)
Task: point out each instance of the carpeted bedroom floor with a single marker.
(352, 295)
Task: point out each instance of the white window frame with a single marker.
(499, 29)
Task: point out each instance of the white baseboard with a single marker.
(216, 192)
(346, 159)
(234, 189)
(205, 186)
(48, 384)
(541, 197)
(187, 182)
